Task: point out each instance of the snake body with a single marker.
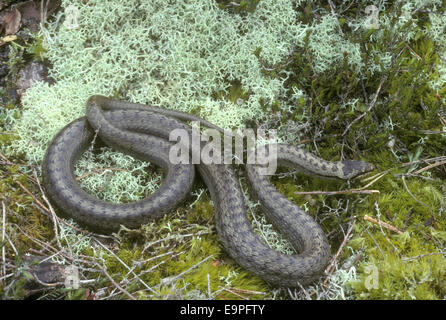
(143, 131)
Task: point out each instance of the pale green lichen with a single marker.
(50, 107)
(174, 55)
(329, 48)
(130, 182)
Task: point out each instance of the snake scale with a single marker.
(143, 132)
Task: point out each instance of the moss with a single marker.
(408, 265)
(202, 212)
(24, 214)
(421, 278)
(37, 48)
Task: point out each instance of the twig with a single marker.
(6, 276)
(9, 163)
(413, 51)
(328, 270)
(11, 244)
(98, 171)
(376, 243)
(419, 201)
(235, 293)
(176, 237)
(413, 175)
(3, 237)
(126, 266)
(441, 158)
(372, 104)
(60, 252)
(88, 233)
(383, 224)
(114, 282)
(353, 191)
(294, 296)
(45, 284)
(169, 280)
(332, 7)
(248, 291)
(330, 267)
(375, 177)
(43, 14)
(235, 4)
(436, 164)
(155, 266)
(423, 255)
(138, 264)
(53, 214)
(307, 296)
(209, 286)
(6, 159)
(31, 195)
(45, 245)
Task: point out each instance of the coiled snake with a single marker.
(143, 131)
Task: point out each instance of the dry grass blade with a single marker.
(329, 193)
(372, 104)
(420, 202)
(433, 165)
(104, 271)
(383, 224)
(330, 267)
(98, 171)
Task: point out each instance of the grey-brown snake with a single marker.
(143, 132)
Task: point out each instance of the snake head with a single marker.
(354, 168)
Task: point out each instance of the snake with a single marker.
(142, 131)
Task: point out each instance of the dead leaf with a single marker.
(31, 12)
(10, 21)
